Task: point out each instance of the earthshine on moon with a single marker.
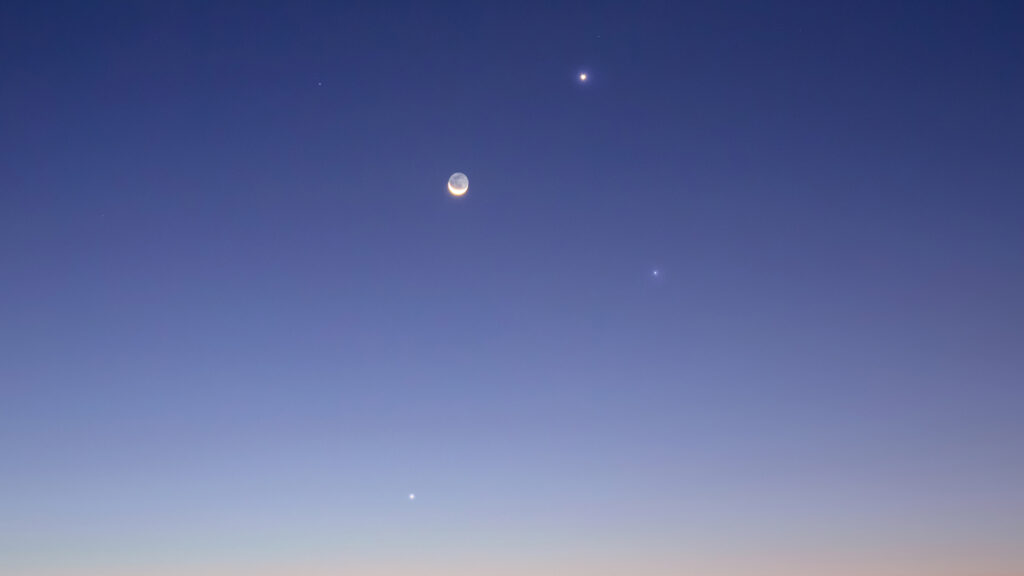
(458, 184)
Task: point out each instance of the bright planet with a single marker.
(458, 184)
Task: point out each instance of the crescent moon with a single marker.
(458, 184)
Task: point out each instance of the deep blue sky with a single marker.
(241, 319)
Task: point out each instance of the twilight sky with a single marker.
(241, 319)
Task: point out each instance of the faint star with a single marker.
(583, 76)
(412, 496)
(319, 83)
(656, 273)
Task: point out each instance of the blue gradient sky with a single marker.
(241, 320)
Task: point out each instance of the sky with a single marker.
(242, 320)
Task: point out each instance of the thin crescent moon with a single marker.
(456, 191)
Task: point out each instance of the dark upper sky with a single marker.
(241, 319)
